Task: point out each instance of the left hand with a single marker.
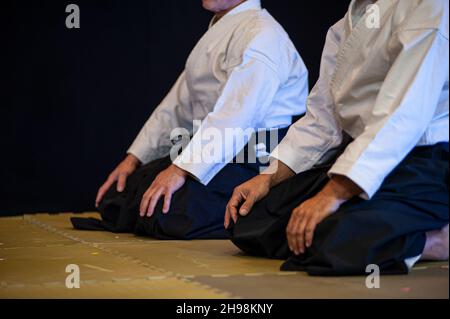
(165, 184)
(306, 217)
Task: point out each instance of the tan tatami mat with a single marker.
(35, 250)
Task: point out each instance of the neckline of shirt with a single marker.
(244, 6)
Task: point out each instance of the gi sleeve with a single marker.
(318, 132)
(243, 103)
(175, 111)
(403, 109)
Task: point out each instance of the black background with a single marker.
(74, 99)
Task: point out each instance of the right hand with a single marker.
(247, 194)
(119, 175)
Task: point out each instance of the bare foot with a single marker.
(436, 247)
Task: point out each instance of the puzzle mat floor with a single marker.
(35, 250)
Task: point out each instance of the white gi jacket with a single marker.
(385, 85)
(244, 73)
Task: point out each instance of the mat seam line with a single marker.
(169, 274)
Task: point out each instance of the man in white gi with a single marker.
(244, 73)
(363, 177)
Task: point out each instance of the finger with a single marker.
(247, 206)
(153, 201)
(226, 222)
(234, 213)
(234, 203)
(121, 183)
(292, 226)
(99, 197)
(300, 237)
(289, 233)
(144, 202)
(310, 229)
(102, 191)
(167, 201)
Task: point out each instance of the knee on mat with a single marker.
(165, 226)
(248, 243)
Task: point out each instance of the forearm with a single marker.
(341, 189)
(277, 173)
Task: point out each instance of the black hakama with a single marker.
(386, 230)
(196, 212)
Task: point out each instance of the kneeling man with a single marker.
(242, 84)
(363, 178)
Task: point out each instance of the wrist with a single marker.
(266, 179)
(179, 171)
(341, 189)
(277, 173)
(332, 197)
(133, 160)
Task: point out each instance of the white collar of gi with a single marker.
(244, 6)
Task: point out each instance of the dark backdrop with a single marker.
(73, 100)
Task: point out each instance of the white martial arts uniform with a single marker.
(244, 73)
(385, 84)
